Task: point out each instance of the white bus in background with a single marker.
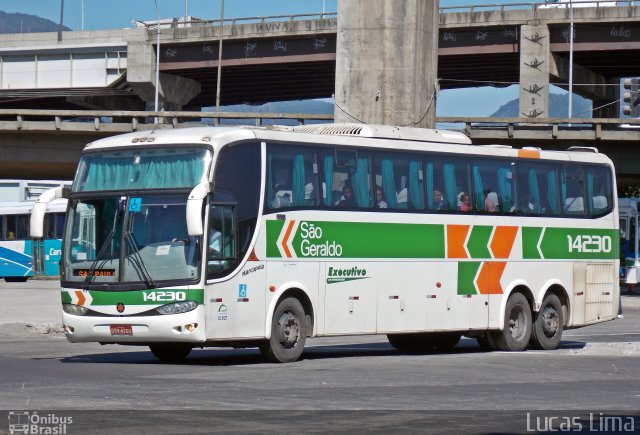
(27, 190)
(629, 248)
(22, 257)
(256, 236)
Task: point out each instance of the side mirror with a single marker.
(195, 225)
(36, 226)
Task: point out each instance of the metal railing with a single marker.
(180, 22)
(539, 5)
(103, 121)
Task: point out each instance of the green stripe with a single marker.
(360, 240)
(530, 237)
(478, 244)
(467, 272)
(137, 297)
(571, 244)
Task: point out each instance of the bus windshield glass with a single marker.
(160, 168)
(136, 239)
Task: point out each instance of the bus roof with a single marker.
(25, 207)
(415, 139)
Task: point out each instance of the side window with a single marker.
(447, 184)
(538, 187)
(493, 186)
(346, 178)
(399, 182)
(292, 177)
(599, 190)
(573, 191)
(243, 186)
(221, 240)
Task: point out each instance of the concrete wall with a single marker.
(386, 62)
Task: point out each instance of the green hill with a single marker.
(25, 23)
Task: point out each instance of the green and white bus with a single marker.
(262, 237)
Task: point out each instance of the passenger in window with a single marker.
(525, 205)
(489, 204)
(438, 200)
(11, 235)
(466, 202)
(347, 197)
(380, 202)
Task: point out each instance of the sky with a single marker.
(113, 14)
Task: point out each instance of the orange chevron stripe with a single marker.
(81, 298)
(456, 235)
(488, 281)
(285, 239)
(502, 241)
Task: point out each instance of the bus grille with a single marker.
(599, 292)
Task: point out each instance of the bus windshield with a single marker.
(135, 239)
(141, 169)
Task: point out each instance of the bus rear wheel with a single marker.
(446, 340)
(288, 333)
(170, 352)
(547, 327)
(15, 279)
(517, 325)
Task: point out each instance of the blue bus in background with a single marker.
(20, 256)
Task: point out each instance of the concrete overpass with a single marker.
(283, 58)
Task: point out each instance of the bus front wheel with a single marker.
(288, 333)
(170, 352)
(547, 327)
(517, 325)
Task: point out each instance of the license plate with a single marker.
(121, 329)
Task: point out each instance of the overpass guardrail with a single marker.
(103, 122)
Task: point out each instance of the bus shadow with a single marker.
(251, 356)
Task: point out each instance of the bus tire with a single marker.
(517, 325)
(170, 352)
(288, 332)
(547, 326)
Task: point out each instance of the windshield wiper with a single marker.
(148, 280)
(94, 265)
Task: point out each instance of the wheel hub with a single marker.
(288, 330)
(551, 322)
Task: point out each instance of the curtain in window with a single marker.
(534, 189)
(478, 188)
(504, 189)
(552, 191)
(590, 193)
(297, 182)
(563, 186)
(270, 180)
(430, 187)
(415, 193)
(159, 172)
(328, 180)
(388, 183)
(360, 182)
(450, 186)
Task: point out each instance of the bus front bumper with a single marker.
(187, 328)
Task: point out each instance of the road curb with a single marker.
(30, 328)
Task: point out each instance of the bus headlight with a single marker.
(177, 308)
(76, 310)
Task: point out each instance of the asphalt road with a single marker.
(346, 384)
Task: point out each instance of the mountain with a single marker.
(25, 23)
(558, 105)
(298, 106)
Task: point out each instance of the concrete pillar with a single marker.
(174, 91)
(534, 71)
(387, 62)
